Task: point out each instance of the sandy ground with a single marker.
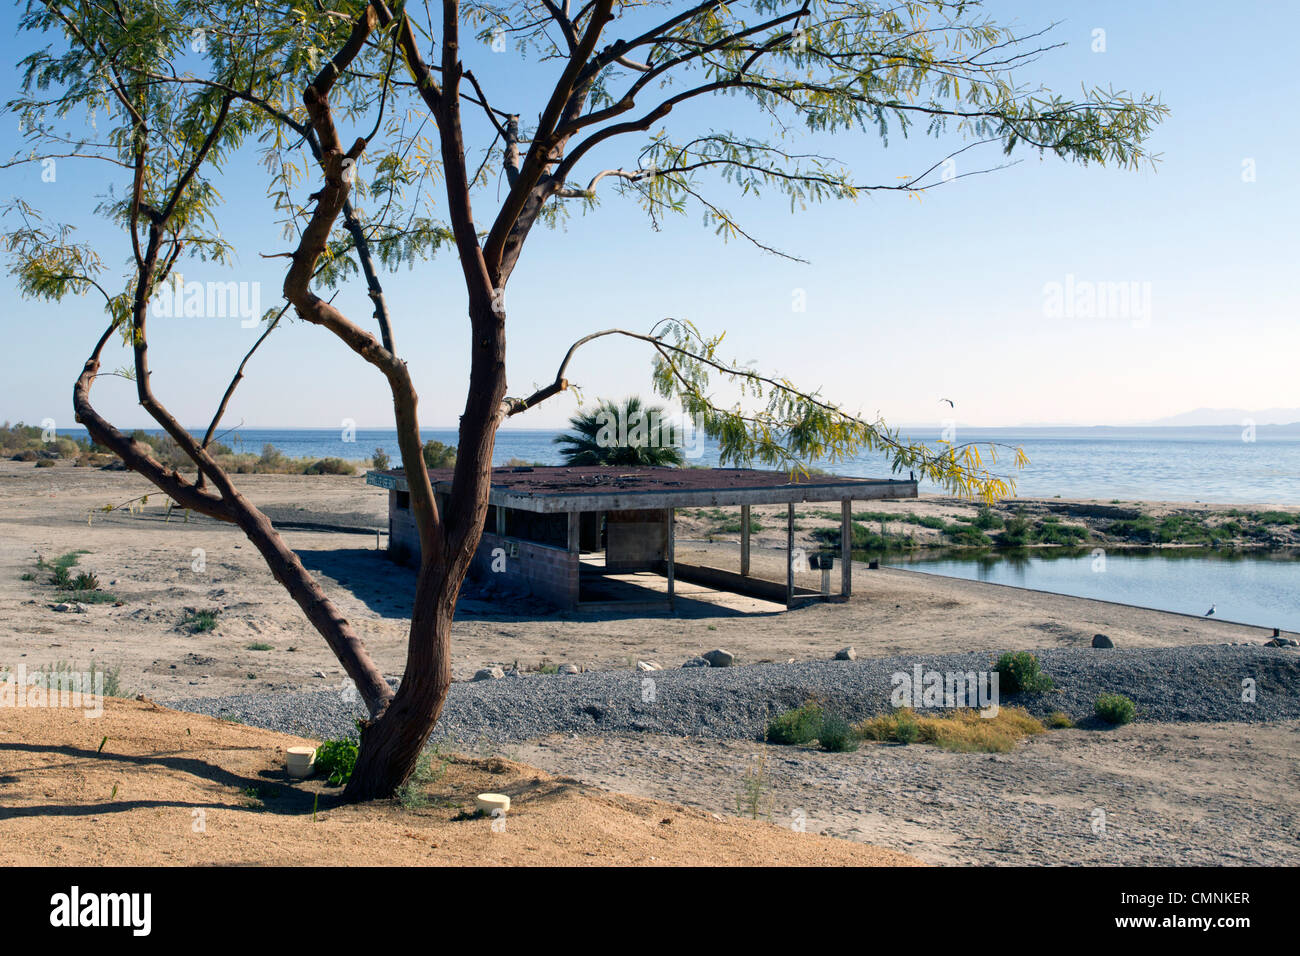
(145, 785)
(1191, 793)
(1143, 794)
(160, 567)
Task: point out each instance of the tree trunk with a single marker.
(391, 744)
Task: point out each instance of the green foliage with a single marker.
(798, 726)
(1020, 672)
(199, 621)
(337, 759)
(864, 539)
(380, 460)
(438, 455)
(1115, 708)
(986, 519)
(85, 581)
(836, 735)
(621, 433)
(1016, 533)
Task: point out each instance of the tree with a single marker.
(338, 93)
(621, 433)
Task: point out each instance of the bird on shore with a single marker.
(1210, 612)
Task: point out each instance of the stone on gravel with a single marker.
(697, 662)
(568, 669)
(846, 654)
(1101, 640)
(647, 666)
(719, 658)
(488, 673)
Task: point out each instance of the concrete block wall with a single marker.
(401, 526)
(547, 572)
(636, 540)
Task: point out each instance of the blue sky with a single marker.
(907, 301)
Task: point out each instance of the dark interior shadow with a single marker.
(388, 590)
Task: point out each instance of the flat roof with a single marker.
(642, 487)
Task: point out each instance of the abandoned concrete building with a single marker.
(584, 537)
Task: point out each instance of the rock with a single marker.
(79, 608)
(647, 666)
(846, 654)
(568, 669)
(697, 662)
(62, 607)
(320, 673)
(719, 658)
(488, 673)
(1101, 640)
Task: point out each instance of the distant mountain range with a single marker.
(1232, 416)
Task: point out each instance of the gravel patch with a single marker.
(1179, 684)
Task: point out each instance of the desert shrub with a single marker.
(836, 735)
(271, 459)
(968, 535)
(336, 759)
(1115, 709)
(900, 726)
(798, 726)
(1051, 531)
(330, 466)
(964, 731)
(45, 463)
(968, 731)
(85, 581)
(1019, 672)
(986, 518)
(380, 460)
(1059, 720)
(1016, 533)
(438, 455)
(62, 675)
(200, 621)
(61, 578)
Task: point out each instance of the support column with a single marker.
(789, 555)
(501, 521)
(846, 548)
(672, 554)
(744, 540)
(573, 532)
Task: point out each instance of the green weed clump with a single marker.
(337, 759)
(1115, 709)
(1020, 672)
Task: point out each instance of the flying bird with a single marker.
(949, 401)
(1210, 612)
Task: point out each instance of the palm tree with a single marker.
(625, 433)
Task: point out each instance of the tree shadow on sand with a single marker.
(273, 790)
(388, 590)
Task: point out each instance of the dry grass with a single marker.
(964, 730)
